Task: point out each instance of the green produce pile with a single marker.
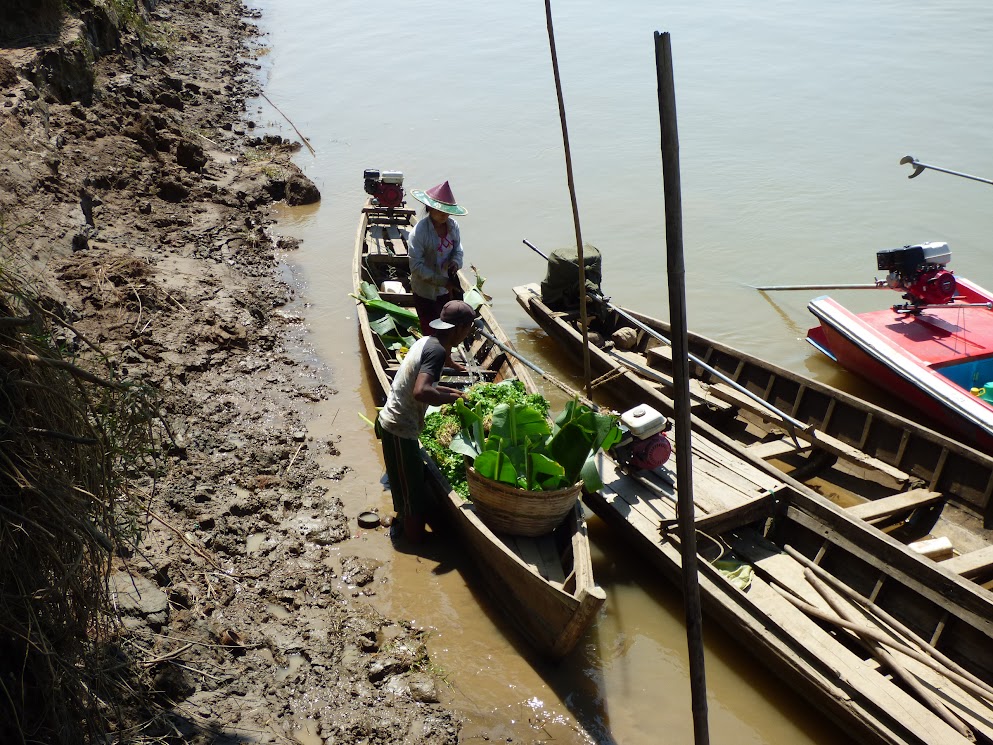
(441, 426)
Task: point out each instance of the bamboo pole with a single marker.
(681, 388)
(885, 658)
(894, 623)
(572, 196)
(869, 633)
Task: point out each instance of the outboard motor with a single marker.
(919, 271)
(386, 187)
(644, 444)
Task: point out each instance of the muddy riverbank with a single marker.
(135, 194)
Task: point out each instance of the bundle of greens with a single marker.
(507, 435)
(443, 425)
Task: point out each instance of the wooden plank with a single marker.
(972, 563)
(773, 448)
(895, 503)
(643, 509)
(530, 553)
(749, 512)
(551, 562)
(647, 526)
(659, 357)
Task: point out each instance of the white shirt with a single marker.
(403, 415)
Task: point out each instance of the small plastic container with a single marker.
(392, 286)
(643, 421)
(987, 394)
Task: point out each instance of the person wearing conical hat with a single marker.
(435, 251)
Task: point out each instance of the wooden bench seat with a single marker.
(971, 564)
(896, 503)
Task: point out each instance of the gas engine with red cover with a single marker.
(920, 272)
(385, 187)
(644, 444)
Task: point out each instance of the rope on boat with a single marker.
(615, 372)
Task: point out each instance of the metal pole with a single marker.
(919, 168)
(681, 389)
(575, 209)
(866, 286)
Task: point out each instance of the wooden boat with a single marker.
(543, 585)
(770, 533)
(768, 529)
(935, 352)
(901, 476)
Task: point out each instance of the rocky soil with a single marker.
(134, 192)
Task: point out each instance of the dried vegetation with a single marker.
(76, 441)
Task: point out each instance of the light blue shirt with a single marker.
(428, 254)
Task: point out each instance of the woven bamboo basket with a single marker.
(508, 509)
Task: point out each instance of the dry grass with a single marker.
(74, 440)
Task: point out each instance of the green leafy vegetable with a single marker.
(521, 448)
(443, 427)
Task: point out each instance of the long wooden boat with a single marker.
(759, 531)
(935, 352)
(916, 483)
(544, 585)
(934, 620)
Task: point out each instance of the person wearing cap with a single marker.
(400, 421)
(435, 253)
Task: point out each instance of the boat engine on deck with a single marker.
(386, 187)
(644, 444)
(920, 272)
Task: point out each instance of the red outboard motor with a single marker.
(933, 287)
(644, 444)
(919, 271)
(386, 187)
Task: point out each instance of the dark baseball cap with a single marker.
(454, 313)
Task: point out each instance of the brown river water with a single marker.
(792, 122)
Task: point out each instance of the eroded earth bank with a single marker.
(134, 196)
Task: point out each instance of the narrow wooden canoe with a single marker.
(543, 585)
(925, 485)
(758, 532)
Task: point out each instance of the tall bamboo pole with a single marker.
(587, 382)
(681, 388)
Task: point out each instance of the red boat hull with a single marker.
(915, 358)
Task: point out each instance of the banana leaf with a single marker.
(369, 296)
(495, 465)
(387, 330)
